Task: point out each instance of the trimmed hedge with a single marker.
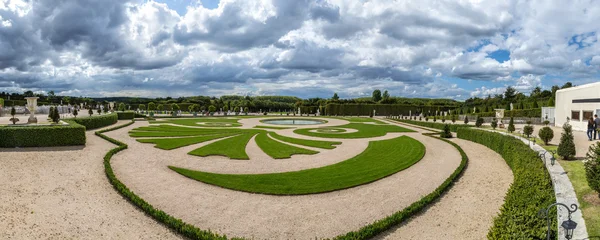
(97, 121)
(440, 126)
(125, 115)
(333, 109)
(177, 225)
(386, 223)
(531, 190)
(533, 112)
(138, 115)
(42, 136)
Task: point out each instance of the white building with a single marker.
(577, 104)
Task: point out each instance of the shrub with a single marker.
(160, 107)
(142, 107)
(212, 109)
(439, 126)
(125, 115)
(443, 119)
(453, 118)
(528, 130)
(446, 133)
(466, 119)
(530, 191)
(237, 109)
(434, 118)
(426, 119)
(14, 120)
(99, 111)
(75, 112)
(97, 121)
(494, 123)
(175, 107)
(566, 147)
(50, 112)
(121, 107)
(55, 115)
(511, 125)
(151, 106)
(371, 113)
(42, 136)
(246, 110)
(479, 121)
(546, 122)
(592, 167)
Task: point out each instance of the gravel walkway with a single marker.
(143, 169)
(63, 193)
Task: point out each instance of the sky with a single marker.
(453, 49)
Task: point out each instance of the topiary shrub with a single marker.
(528, 130)
(546, 122)
(75, 112)
(453, 118)
(125, 115)
(479, 122)
(546, 134)
(55, 115)
(511, 125)
(121, 107)
(466, 120)
(43, 136)
(160, 107)
(151, 106)
(99, 111)
(592, 167)
(247, 110)
(566, 147)
(370, 114)
(494, 123)
(434, 118)
(446, 133)
(90, 112)
(426, 119)
(13, 112)
(97, 121)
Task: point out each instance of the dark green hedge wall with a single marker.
(380, 109)
(531, 189)
(453, 127)
(534, 112)
(97, 121)
(125, 115)
(42, 136)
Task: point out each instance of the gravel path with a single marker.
(63, 193)
(143, 169)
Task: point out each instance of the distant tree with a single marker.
(50, 112)
(121, 107)
(551, 102)
(160, 107)
(567, 85)
(335, 96)
(142, 107)
(151, 106)
(195, 107)
(212, 109)
(99, 111)
(236, 109)
(75, 112)
(566, 147)
(453, 119)
(494, 123)
(376, 95)
(225, 109)
(90, 111)
(386, 95)
(535, 104)
(175, 107)
(13, 112)
(246, 110)
(466, 119)
(509, 94)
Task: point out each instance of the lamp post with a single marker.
(569, 225)
(553, 158)
(542, 155)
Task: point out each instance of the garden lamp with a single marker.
(553, 159)
(542, 155)
(569, 225)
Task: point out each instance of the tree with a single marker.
(151, 106)
(551, 102)
(443, 119)
(546, 134)
(212, 108)
(535, 104)
(142, 107)
(90, 111)
(195, 107)
(592, 167)
(566, 147)
(50, 112)
(191, 108)
(453, 119)
(386, 95)
(225, 109)
(56, 115)
(509, 94)
(446, 133)
(121, 107)
(479, 121)
(99, 111)
(13, 112)
(75, 112)
(466, 119)
(160, 107)
(335, 97)
(434, 118)
(528, 130)
(511, 125)
(567, 85)
(376, 95)
(175, 107)
(494, 123)
(236, 109)
(246, 110)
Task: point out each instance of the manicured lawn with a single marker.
(379, 160)
(210, 122)
(360, 119)
(269, 127)
(233, 147)
(277, 149)
(173, 143)
(591, 212)
(364, 131)
(305, 142)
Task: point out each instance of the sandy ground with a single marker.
(276, 217)
(63, 193)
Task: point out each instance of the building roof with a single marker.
(595, 84)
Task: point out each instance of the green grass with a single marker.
(211, 122)
(277, 149)
(173, 143)
(269, 127)
(305, 142)
(379, 160)
(233, 147)
(364, 131)
(359, 120)
(591, 213)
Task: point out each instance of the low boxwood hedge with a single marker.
(531, 189)
(97, 121)
(42, 136)
(125, 115)
(387, 223)
(179, 226)
(440, 126)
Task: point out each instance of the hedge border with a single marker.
(42, 136)
(175, 224)
(388, 222)
(126, 115)
(95, 122)
(434, 125)
(192, 232)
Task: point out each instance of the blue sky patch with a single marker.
(500, 55)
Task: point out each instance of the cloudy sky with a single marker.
(306, 48)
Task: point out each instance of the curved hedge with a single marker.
(125, 115)
(42, 136)
(440, 126)
(98, 121)
(176, 224)
(531, 190)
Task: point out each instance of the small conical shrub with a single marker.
(466, 120)
(479, 121)
(494, 123)
(511, 125)
(592, 167)
(56, 115)
(566, 147)
(446, 133)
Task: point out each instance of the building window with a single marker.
(575, 115)
(587, 115)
